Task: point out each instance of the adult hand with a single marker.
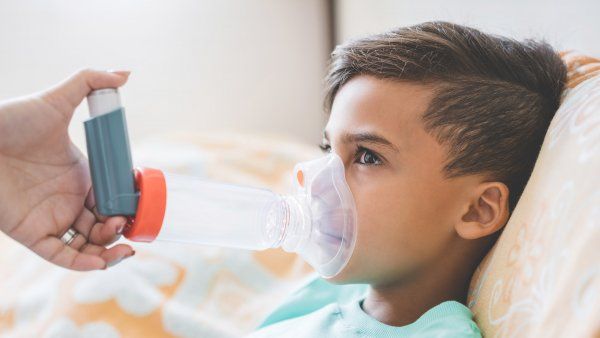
(45, 185)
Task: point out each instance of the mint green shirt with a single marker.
(321, 309)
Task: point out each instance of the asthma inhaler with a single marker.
(317, 221)
(109, 154)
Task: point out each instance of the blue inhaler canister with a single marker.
(109, 154)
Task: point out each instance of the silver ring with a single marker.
(69, 236)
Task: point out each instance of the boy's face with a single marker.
(406, 208)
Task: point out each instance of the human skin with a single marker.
(420, 234)
(45, 184)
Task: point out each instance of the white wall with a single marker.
(573, 24)
(197, 65)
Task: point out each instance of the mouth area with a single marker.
(328, 239)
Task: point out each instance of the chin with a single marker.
(348, 275)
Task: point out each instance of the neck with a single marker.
(403, 302)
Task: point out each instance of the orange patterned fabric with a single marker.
(542, 279)
(580, 67)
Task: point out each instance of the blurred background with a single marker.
(240, 65)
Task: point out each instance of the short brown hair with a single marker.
(494, 96)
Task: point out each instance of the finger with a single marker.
(90, 200)
(90, 203)
(54, 250)
(102, 233)
(107, 232)
(84, 222)
(74, 89)
(111, 256)
(78, 242)
(99, 216)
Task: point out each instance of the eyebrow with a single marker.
(364, 137)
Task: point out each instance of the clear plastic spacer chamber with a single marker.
(317, 221)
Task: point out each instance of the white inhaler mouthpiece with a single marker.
(318, 221)
(103, 101)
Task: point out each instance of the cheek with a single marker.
(386, 222)
(374, 206)
(383, 233)
(400, 227)
(385, 211)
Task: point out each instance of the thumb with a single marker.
(68, 94)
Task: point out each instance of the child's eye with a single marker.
(365, 156)
(326, 148)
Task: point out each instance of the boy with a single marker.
(439, 126)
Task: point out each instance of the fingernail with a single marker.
(121, 227)
(115, 262)
(121, 72)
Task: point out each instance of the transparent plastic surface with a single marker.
(317, 221)
(329, 201)
(205, 212)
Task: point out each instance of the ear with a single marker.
(486, 212)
